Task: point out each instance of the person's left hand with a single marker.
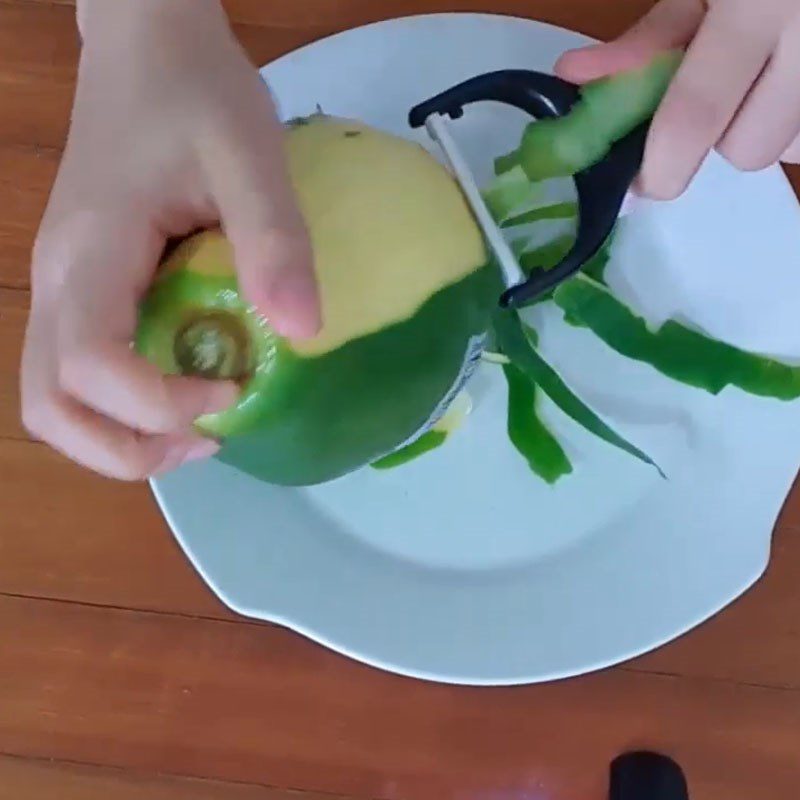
(172, 130)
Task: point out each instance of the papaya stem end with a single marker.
(213, 345)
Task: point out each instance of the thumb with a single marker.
(250, 186)
(792, 154)
(669, 24)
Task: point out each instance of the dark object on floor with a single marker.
(646, 776)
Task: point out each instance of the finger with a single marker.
(106, 375)
(768, 123)
(106, 447)
(670, 24)
(250, 183)
(96, 364)
(83, 435)
(723, 61)
(792, 153)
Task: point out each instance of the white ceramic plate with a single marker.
(462, 566)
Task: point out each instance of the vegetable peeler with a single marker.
(602, 189)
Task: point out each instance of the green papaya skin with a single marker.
(302, 420)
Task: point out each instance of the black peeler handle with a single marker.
(601, 188)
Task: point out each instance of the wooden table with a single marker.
(121, 676)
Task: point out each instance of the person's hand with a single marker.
(172, 129)
(737, 91)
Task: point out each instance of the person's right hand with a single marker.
(172, 129)
(737, 90)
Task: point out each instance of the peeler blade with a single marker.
(437, 128)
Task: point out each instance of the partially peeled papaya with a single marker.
(406, 290)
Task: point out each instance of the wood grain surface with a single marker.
(122, 676)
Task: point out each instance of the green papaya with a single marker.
(406, 289)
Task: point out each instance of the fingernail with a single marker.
(200, 450)
(221, 396)
(294, 304)
(637, 187)
(184, 451)
(662, 186)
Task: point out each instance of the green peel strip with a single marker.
(528, 433)
(507, 193)
(609, 108)
(567, 210)
(514, 343)
(427, 442)
(674, 350)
